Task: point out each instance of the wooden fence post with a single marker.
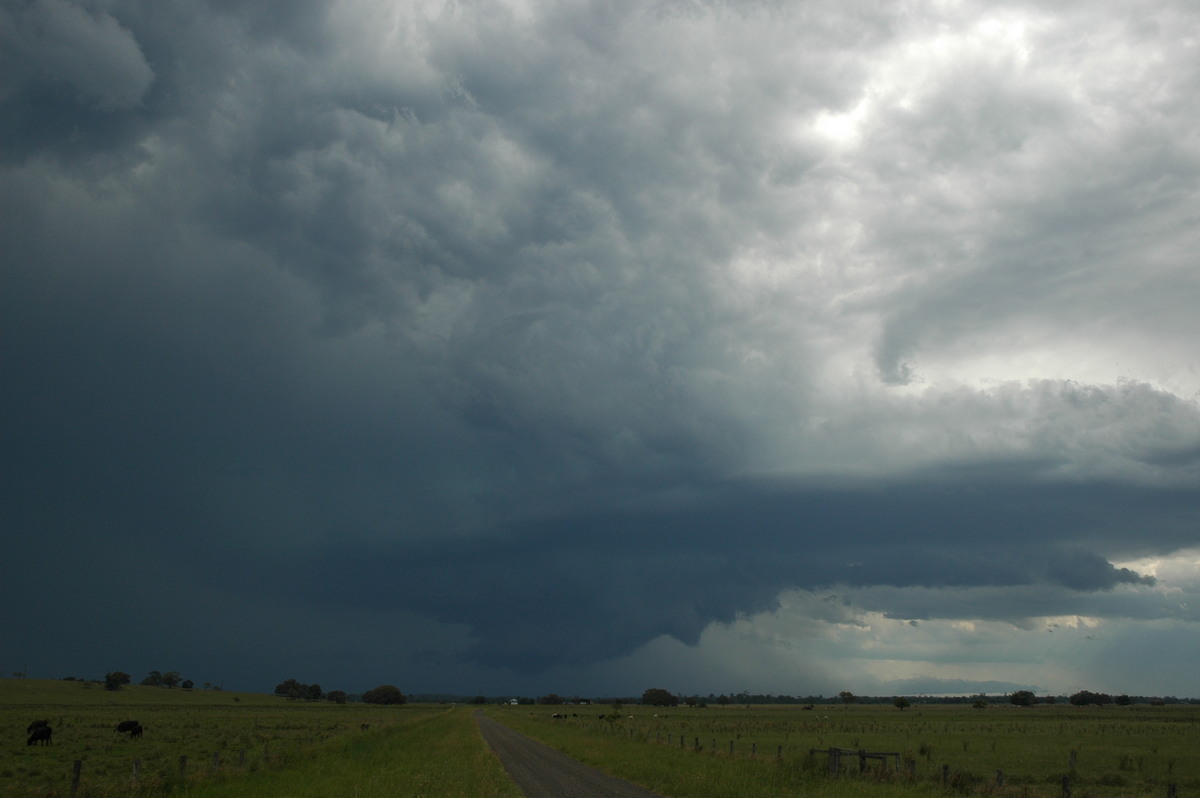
(999, 778)
(182, 766)
(75, 776)
(835, 761)
(1171, 788)
(945, 774)
(731, 747)
(1066, 787)
(137, 767)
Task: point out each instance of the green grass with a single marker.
(1133, 751)
(265, 745)
(440, 754)
(237, 744)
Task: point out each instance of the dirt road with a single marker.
(541, 772)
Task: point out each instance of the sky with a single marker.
(587, 347)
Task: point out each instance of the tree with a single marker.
(551, 699)
(1123, 700)
(291, 689)
(188, 684)
(384, 694)
(336, 696)
(658, 697)
(846, 696)
(1085, 697)
(1023, 698)
(114, 680)
(901, 703)
(313, 692)
(153, 679)
(170, 679)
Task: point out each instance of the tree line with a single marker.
(289, 688)
(296, 690)
(115, 680)
(657, 696)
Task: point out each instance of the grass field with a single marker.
(236, 745)
(242, 745)
(1130, 751)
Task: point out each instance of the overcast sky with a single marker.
(587, 347)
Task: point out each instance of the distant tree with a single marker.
(336, 696)
(1123, 700)
(1085, 697)
(187, 684)
(1023, 698)
(980, 704)
(292, 689)
(313, 692)
(153, 679)
(171, 679)
(723, 699)
(846, 696)
(384, 694)
(901, 703)
(658, 697)
(115, 679)
(551, 699)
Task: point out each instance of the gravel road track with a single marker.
(541, 772)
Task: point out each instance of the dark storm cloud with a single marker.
(550, 331)
(587, 588)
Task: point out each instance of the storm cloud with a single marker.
(522, 346)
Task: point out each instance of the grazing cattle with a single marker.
(136, 731)
(126, 725)
(557, 716)
(41, 734)
(365, 726)
(37, 724)
(807, 706)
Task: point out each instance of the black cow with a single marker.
(41, 734)
(126, 725)
(37, 724)
(136, 731)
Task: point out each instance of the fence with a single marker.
(836, 756)
(135, 778)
